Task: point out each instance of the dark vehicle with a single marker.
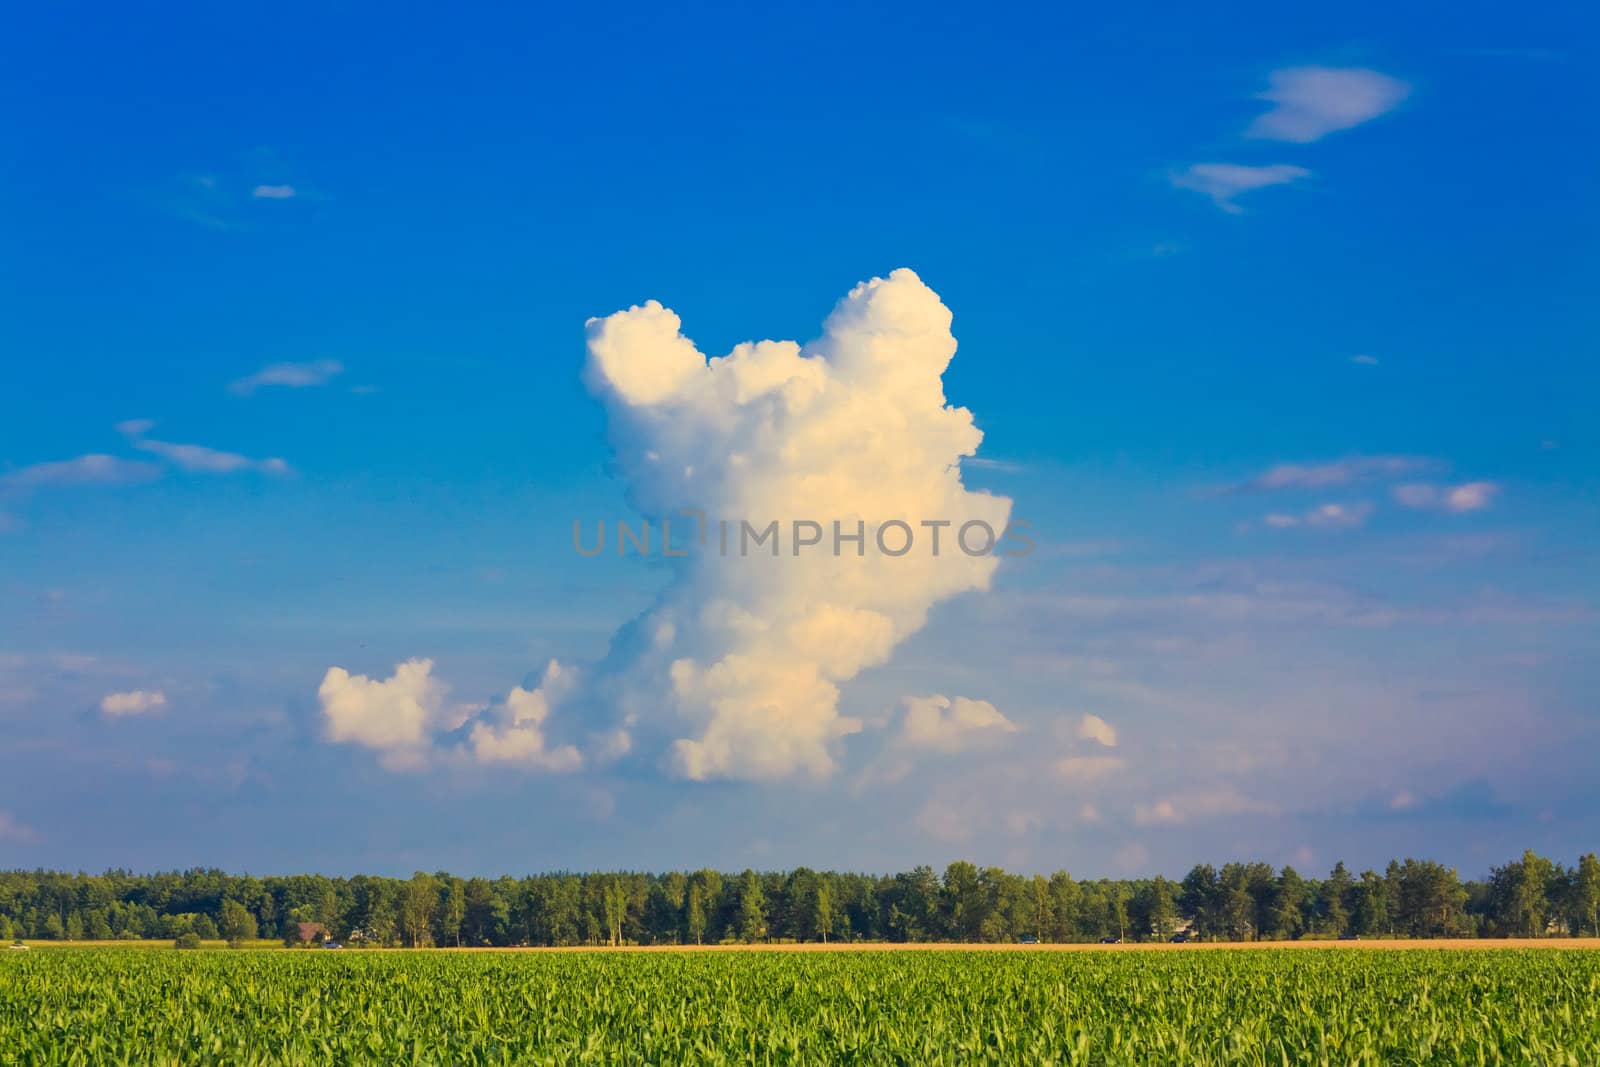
(1179, 939)
(1109, 940)
(332, 944)
(1027, 939)
(1349, 937)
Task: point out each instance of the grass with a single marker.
(90, 1006)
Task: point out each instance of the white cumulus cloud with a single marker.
(133, 702)
(736, 669)
(514, 733)
(1311, 102)
(852, 428)
(404, 718)
(395, 716)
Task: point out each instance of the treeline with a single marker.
(1529, 897)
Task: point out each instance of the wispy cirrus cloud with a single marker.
(1468, 496)
(1218, 802)
(196, 459)
(1308, 103)
(93, 469)
(229, 197)
(289, 376)
(1324, 516)
(1224, 182)
(1333, 473)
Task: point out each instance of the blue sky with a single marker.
(1311, 465)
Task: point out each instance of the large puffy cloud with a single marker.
(851, 428)
(736, 670)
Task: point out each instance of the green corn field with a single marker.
(97, 1007)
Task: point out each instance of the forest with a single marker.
(1528, 897)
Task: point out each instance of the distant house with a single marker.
(308, 932)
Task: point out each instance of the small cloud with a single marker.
(1473, 496)
(513, 733)
(1004, 466)
(93, 469)
(1020, 823)
(1087, 770)
(1162, 812)
(273, 192)
(1311, 102)
(1221, 802)
(1324, 517)
(134, 702)
(1332, 474)
(404, 716)
(13, 831)
(945, 822)
(1132, 858)
(1459, 499)
(1472, 801)
(289, 376)
(1222, 182)
(1094, 728)
(948, 724)
(198, 459)
(1365, 360)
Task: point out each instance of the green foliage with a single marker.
(237, 924)
(187, 940)
(1122, 1007)
(1531, 896)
